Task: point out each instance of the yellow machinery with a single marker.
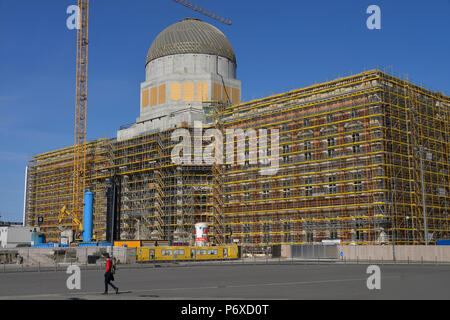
(63, 212)
(153, 254)
(75, 221)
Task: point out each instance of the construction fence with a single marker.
(367, 253)
(312, 251)
(405, 253)
(75, 255)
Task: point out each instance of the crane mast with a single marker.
(79, 167)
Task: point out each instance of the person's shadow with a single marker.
(122, 292)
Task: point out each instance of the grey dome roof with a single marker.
(190, 36)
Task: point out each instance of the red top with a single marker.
(108, 265)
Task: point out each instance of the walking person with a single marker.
(109, 275)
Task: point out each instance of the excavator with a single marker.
(65, 233)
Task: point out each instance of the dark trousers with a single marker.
(108, 278)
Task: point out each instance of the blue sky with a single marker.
(280, 45)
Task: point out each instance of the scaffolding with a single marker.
(362, 159)
(349, 165)
(159, 199)
(50, 186)
(214, 116)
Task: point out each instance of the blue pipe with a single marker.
(88, 215)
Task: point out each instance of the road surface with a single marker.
(297, 281)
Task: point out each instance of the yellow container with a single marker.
(129, 243)
(151, 254)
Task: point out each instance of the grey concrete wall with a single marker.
(50, 256)
(190, 63)
(120, 253)
(402, 253)
(35, 256)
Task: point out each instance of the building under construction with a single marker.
(362, 159)
(139, 193)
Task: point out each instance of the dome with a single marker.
(191, 36)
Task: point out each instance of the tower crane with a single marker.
(79, 162)
(203, 11)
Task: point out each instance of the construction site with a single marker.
(139, 192)
(134, 184)
(363, 159)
